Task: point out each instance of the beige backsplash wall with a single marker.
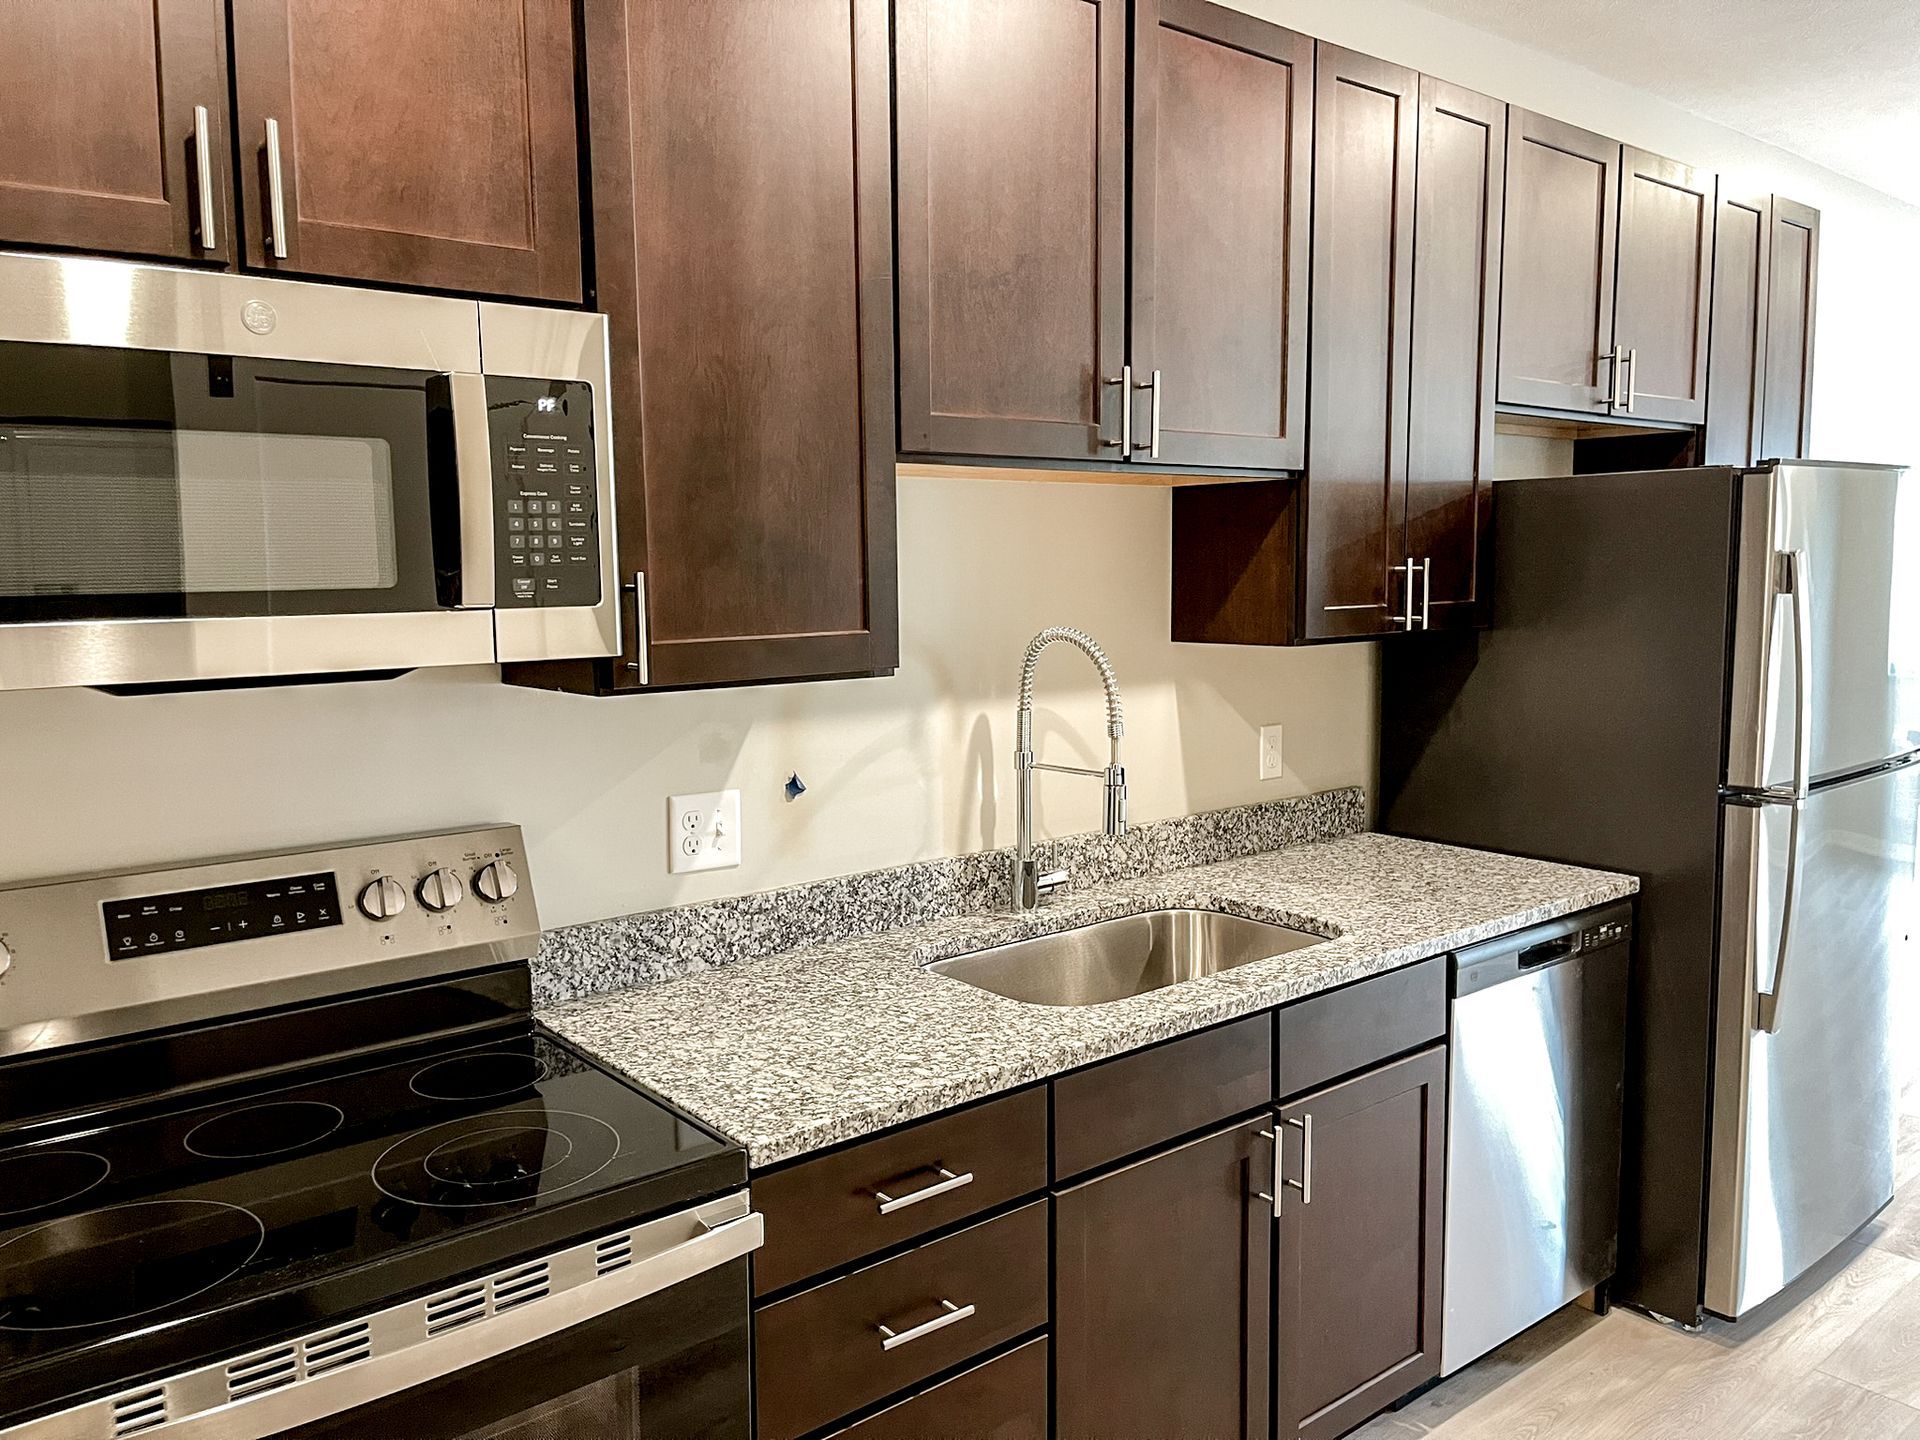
(897, 769)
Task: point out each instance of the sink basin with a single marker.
(1112, 959)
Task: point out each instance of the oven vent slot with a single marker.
(334, 1348)
(269, 1370)
(517, 1287)
(613, 1253)
(139, 1411)
(457, 1307)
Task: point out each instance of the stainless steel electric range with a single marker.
(283, 1152)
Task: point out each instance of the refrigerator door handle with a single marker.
(1790, 569)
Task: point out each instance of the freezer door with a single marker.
(1804, 1115)
(1839, 521)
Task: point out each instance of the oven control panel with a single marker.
(105, 955)
(546, 521)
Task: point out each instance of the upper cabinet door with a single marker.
(1742, 236)
(1562, 221)
(113, 112)
(1012, 221)
(1793, 264)
(742, 220)
(1456, 328)
(1222, 120)
(1365, 131)
(1662, 291)
(431, 145)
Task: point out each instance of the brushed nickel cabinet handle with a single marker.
(1405, 568)
(1305, 1183)
(1633, 377)
(1426, 592)
(1612, 361)
(891, 1339)
(1152, 447)
(203, 162)
(638, 589)
(948, 1181)
(276, 192)
(1125, 381)
(1272, 1197)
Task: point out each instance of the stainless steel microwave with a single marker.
(212, 477)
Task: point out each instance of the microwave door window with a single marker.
(149, 485)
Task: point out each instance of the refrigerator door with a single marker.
(1804, 1116)
(1839, 524)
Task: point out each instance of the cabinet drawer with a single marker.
(1004, 1399)
(1127, 1104)
(829, 1211)
(1358, 1025)
(823, 1352)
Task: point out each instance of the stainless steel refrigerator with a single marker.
(1707, 677)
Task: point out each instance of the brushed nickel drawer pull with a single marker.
(203, 169)
(891, 1339)
(947, 1181)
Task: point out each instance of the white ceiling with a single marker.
(1836, 81)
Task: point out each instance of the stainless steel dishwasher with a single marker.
(1533, 1125)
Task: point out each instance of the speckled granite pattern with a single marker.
(790, 1053)
(592, 959)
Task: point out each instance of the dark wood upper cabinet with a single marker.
(1793, 267)
(1459, 192)
(1738, 343)
(1385, 531)
(1222, 129)
(1162, 1294)
(1357, 1293)
(98, 104)
(1012, 136)
(1365, 133)
(424, 145)
(1663, 287)
(1562, 224)
(742, 214)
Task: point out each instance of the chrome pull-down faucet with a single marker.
(1030, 884)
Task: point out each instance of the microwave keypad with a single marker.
(546, 522)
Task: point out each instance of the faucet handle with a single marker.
(1048, 881)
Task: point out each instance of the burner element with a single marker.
(503, 1158)
(270, 1129)
(480, 1076)
(40, 1178)
(110, 1265)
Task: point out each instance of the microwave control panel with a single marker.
(546, 522)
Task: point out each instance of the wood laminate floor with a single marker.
(1835, 1358)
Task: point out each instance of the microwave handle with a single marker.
(473, 467)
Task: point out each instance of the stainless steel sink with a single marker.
(1112, 959)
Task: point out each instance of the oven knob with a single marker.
(6, 958)
(497, 881)
(383, 898)
(441, 891)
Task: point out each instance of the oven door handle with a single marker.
(266, 1392)
(473, 468)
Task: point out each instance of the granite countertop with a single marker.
(794, 1052)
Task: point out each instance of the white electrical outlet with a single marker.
(703, 831)
(1270, 766)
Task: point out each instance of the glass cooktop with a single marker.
(189, 1229)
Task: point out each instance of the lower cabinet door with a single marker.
(1004, 1399)
(1358, 1275)
(1163, 1292)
